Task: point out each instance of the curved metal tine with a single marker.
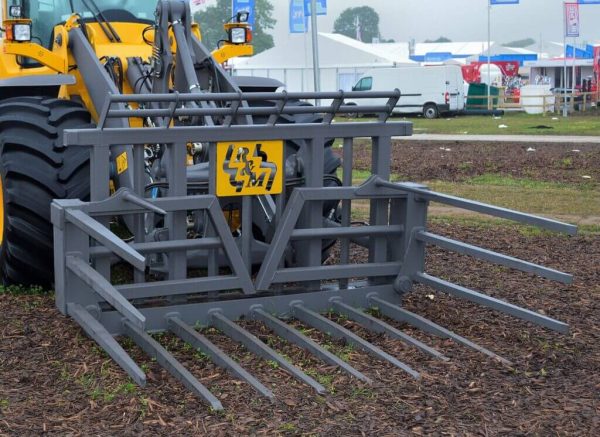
(323, 324)
(168, 361)
(294, 336)
(220, 358)
(379, 326)
(257, 347)
(98, 333)
(401, 315)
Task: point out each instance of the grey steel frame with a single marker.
(395, 239)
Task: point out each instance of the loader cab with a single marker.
(46, 14)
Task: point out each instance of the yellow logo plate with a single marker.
(249, 168)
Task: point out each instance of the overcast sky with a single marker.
(459, 20)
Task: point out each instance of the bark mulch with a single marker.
(457, 161)
(54, 380)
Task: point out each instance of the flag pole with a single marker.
(565, 110)
(489, 56)
(315, 46)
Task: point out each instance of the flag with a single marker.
(298, 20)
(321, 7)
(358, 29)
(244, 6)
(571, 19)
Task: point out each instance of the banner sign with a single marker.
(244, 6)
(504, 2)
(321, 7)
(571, 19)
(298, 21)
(589, 2)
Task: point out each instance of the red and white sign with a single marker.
(571, 19)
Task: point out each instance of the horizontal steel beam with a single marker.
(249, 97)
(179, 287)
(163, 246)
(343, 271)
(183, 134)
(357, 231)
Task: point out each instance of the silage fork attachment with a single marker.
(291, 282)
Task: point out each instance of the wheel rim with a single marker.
(430, 113)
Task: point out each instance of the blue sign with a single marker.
(504, 2)
(321, 7)
(244, 6)
(589, 2)
(298, 20)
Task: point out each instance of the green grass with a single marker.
(518, 124)
(550, 198)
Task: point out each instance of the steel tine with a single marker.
(168, 361)
(401, 315)
(105, 289)
(142, 203)
(323, 324)
(493, 257)
(492, 302)
(218, 356)
(104, 236)
(379, 326)
(100, 335)
(257, 347)
(294, 336)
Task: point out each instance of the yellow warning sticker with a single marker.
(249, 168)
(122, 164)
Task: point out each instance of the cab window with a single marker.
(365, 84)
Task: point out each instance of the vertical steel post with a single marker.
(315, 47)
(489, 56)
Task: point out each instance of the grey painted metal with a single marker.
(217, 356)
(163, 246)
(471, 205)
(96, 282)
(90, 137)
(257, 347)
(97, 332)
(323, 273)
(104, 236)
(168, 361)
(42, 80)
(400, 314)
(236, 307)
(360, 231)
(491, 302)
(177, 287)
(325, 325)
(293, 335)
(379, 326)
(488, 255)
(139, 201)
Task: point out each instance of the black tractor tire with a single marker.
(431, 111)
(36, 168)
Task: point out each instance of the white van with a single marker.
(430, 90)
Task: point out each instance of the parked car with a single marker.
(430, 90)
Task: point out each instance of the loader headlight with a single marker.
(239, 35)
(15, 11)
(22, 32)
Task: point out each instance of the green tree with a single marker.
(212, 19)
(365, 16)
(440, 39)
(520, 43)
